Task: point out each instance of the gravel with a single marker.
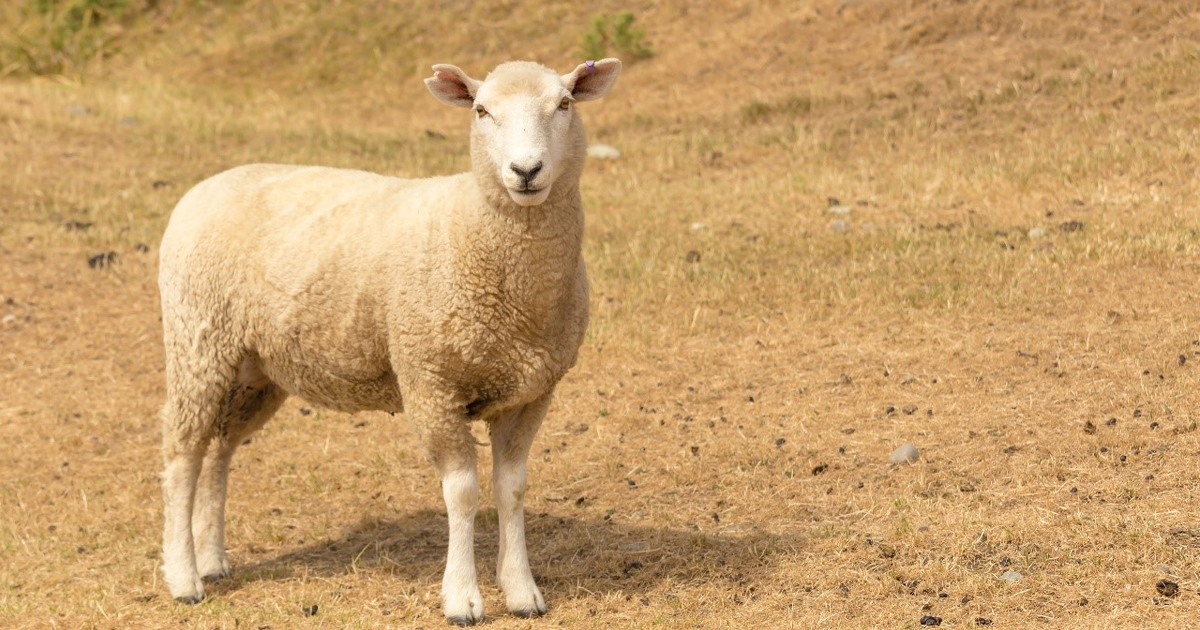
(904, 454)
(1011, 576)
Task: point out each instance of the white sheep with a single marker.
(452, 299)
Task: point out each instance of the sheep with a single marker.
(453, 299)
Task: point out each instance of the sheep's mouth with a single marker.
(527, 191)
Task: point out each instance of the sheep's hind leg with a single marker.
(512, 436)
(194, 392)
(247, 406)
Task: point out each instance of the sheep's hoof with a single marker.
(219, 575)
(190, 599)
(529, 613)
(462, 621)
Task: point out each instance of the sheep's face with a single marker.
(525, 126)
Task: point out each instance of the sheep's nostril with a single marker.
(524, 174)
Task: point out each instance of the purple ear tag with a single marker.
(591, 66)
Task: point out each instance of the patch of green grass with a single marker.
(56, 36)
(757, 111)
(617, 33)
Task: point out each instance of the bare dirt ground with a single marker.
(1006, 278)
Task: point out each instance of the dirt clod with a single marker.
(930, 620)
(310, 610)
(1167, 588)
(1089, 428)
(693, 256)
(102, 260)
(983, 621)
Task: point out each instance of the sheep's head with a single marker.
(525, 126)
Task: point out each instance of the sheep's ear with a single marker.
(593, 79)
(452, 86)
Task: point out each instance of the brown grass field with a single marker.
(1015, 292)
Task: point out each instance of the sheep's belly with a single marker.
(327, 388)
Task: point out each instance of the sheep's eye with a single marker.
(481, 111)
(565, 104)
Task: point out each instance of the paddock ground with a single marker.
(1013, 289)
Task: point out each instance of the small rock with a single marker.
(840, 209)
(1089, 428)
(839, 226)
(696, 227)
(780, 442)
(930, 620)
(141, 248)
(905, 454)
(983, 621)
(304, 411)
(693, 256)
(1036, 232)
(126, 121)
(1011, 576)
(78, 110)
(819, 468)
(159, 183)
(1070, 226)
(603, 152)
(311, 610)
(1083, 601)
(8, 319)
(1167, 588)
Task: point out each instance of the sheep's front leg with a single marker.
(453, 450)
(512, 436)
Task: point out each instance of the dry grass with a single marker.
(662, 494)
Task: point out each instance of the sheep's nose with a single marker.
(526, 174)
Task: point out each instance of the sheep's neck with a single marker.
(531, 254)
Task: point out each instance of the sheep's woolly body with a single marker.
(349, 288)
(451, 299)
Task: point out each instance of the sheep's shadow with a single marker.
(569, 554)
